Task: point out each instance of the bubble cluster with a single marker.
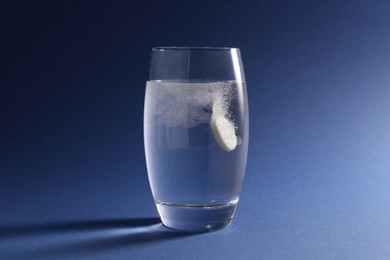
(188, 104)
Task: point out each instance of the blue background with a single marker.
(73, 181)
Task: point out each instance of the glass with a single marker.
(196, 133)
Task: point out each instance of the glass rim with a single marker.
(191, 48)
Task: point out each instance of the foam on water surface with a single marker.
(187, 104)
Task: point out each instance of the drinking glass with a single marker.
(196, 133)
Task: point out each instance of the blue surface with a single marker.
(73, 180)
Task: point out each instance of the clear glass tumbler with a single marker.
(196, 133)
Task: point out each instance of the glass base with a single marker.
(196, 218)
